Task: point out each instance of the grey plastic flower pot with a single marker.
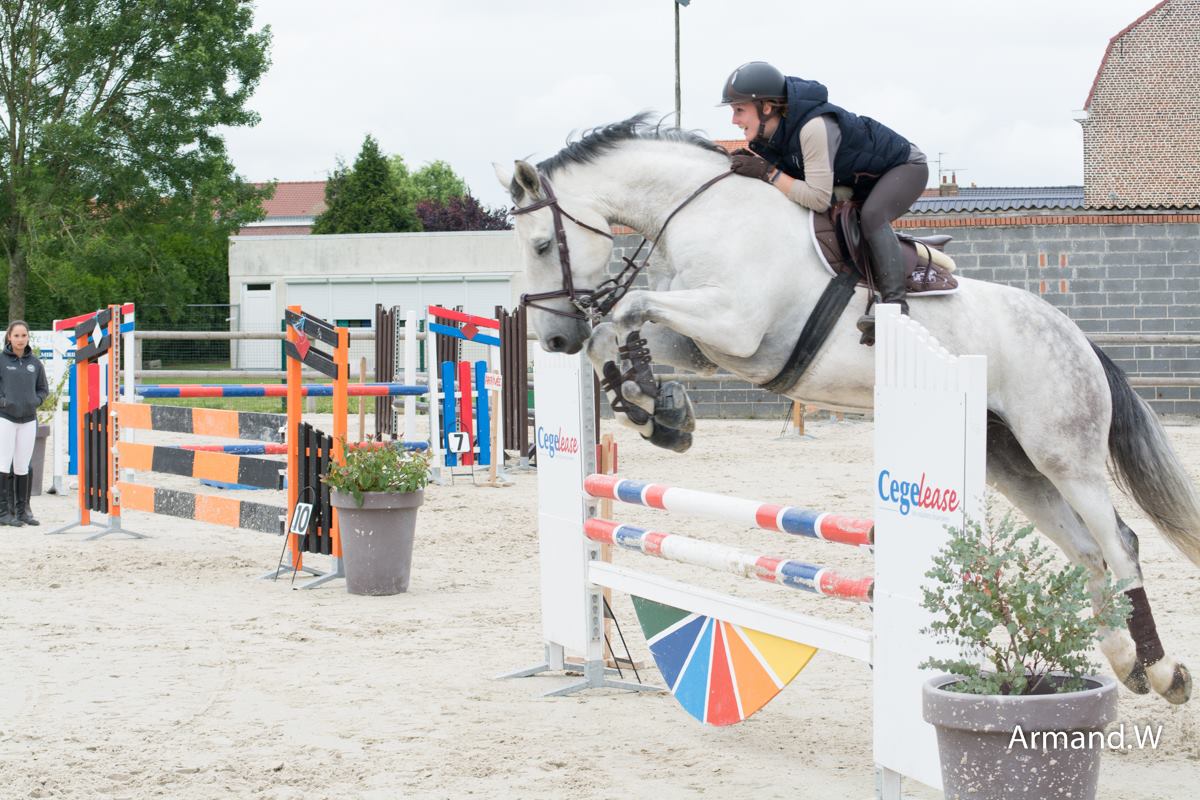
(377, 539)
(984, 757)
(37, 465)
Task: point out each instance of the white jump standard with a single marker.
(724, 657)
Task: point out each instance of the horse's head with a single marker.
(566, 246)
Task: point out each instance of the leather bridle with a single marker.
(592, 305)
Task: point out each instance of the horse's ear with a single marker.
(504, 176)
(525, 180)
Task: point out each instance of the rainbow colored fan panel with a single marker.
(719, 672)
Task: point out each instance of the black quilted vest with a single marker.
(868, 148)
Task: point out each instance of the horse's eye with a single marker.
(541, 246)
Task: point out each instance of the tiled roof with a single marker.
(990, 198)
(295, 199)
(275, 230)
(731, 144)
(1001, 198)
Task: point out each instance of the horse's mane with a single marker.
(597, 141)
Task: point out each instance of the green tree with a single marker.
(434, 181)
(401, 176)
(365, 198)
(437, 181)
(113, 175)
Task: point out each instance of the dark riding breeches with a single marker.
(893, 195)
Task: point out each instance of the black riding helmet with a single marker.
(755, 80)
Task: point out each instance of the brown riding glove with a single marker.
(743, 162)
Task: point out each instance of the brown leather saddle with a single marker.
(929, 269)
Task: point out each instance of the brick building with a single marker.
(1141, 121)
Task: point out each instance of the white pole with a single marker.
(410, 374)
(498, 411)
(58, 423)
(435, 440)
(129, 394)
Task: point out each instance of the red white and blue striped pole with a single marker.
(274, 390)
(783, 571)
(751, 513)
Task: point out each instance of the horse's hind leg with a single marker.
(1091, 500)
(1168, 677)
(1070, 511)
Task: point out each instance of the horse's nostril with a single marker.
(556, 344)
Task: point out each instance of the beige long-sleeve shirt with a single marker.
(819, 141)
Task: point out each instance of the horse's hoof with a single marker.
(669, 438)
(1136, 680)
(1171, 680)
(637, 417)
(634, 396)
(672, 409)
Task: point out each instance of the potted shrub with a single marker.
(1029, 722)
(377, 494)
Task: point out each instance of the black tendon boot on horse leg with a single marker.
(672, 421)
(671, 406)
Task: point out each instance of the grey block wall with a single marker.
(1109, 278)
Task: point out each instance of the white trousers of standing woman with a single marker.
(16, 445)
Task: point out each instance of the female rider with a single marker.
(803, 145)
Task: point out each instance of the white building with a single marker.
(341, 277)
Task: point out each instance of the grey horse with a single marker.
(737, 276)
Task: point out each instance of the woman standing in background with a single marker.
(23, 387)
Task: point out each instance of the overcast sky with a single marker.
(475, 81)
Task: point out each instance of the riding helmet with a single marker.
(755, 80)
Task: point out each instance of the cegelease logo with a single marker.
(556, 443)
(907, 494)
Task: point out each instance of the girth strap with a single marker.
(820, 322)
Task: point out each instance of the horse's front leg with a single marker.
(669, 325)
(710, 315)
(603, 350)
(660, 412)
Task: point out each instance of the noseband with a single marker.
(592, 305)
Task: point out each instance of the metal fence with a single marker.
(194, 352)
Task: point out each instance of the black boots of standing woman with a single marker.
(890, 279)
(14, 500)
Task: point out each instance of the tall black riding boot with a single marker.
(7, 517)
(889, 277)
(22, 486)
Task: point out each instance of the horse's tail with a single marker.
(1145, 466)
